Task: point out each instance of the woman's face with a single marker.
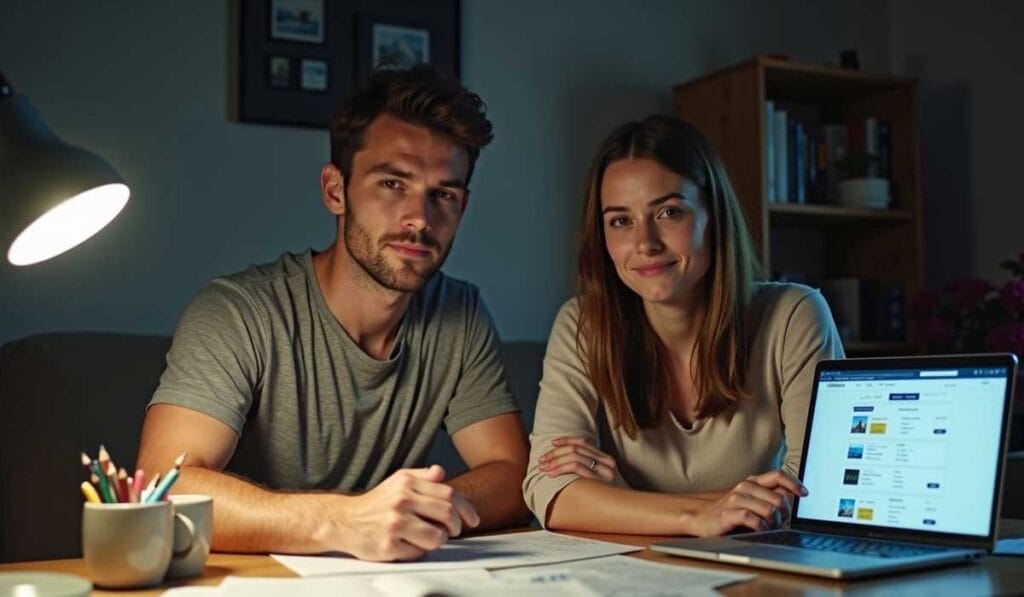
(655, 229)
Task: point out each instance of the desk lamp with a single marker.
(53, 196)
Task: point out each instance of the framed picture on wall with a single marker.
(313, 75)
(296, 58)
(279, 71)
(401, 45)
(297, 20)
(407, 38)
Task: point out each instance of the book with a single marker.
(781, 156)
(855, 142)
(769, 150)
(844, 299)
(885, 149)
(891, 325)
(871, 145)
(799, 168)
(835, 152)
(819, 166)
(866, 309)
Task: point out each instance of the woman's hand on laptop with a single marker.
(758, 503)
(576, 455)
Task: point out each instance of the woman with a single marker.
(674, 382)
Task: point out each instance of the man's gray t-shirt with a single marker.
(261, 351)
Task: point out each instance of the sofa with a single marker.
(64, 393)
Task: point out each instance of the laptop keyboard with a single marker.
(866, 547)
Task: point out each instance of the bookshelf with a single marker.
(819, 241)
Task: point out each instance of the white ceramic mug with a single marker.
(193, 534)
(128, 545)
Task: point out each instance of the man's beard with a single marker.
(372, 260)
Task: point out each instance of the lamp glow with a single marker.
(53, 195)
(68, 224)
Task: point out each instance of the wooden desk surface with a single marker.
(994, 575)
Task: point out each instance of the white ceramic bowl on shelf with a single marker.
(871, 193)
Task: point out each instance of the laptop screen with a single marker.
(908, 448)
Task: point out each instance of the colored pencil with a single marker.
(122, 486)
(172, 475)
(95, 482)
(110, 476)
(92, 467)
(112, 481)
(86, 461)
(104, 457)
(90, 493)
(100, 481)
(161, 490)
(149, 488)
(137, 481)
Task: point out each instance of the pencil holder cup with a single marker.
(193, 534)
(128, 545)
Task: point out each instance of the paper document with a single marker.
(192, 592)
(626, 576)
(1009, 547)
(492, 551)
(451, 583)
(412, 585)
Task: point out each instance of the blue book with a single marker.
(781, 134)
(769, 151)
(884, 130)
(798, 163)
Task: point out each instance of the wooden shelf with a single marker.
(786, 79)
(793, 80)
(813, 215)
(884, 248)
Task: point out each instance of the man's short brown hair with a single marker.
(419, 95)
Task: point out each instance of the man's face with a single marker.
(404, 200)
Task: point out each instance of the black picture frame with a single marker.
(437, 35)
(314, 75)
(326, 63)
(297, 20)
(279, 71)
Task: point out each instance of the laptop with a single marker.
(903, 461)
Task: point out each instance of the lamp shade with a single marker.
(53, 196)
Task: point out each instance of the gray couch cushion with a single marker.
(61, 394)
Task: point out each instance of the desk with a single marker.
(992, 575)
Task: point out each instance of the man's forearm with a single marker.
(495, 490)
(249, 518)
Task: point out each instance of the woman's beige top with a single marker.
(793, 331)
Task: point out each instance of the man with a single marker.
(295, 385)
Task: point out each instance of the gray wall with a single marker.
(971, 70)
(144, 84)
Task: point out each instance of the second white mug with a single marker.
(193, 534)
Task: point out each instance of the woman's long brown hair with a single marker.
(627, 362)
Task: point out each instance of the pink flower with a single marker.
(968, 292)
(937, 330)
(1008, 337)
(1012, 296)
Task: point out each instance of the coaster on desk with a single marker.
(43, 584)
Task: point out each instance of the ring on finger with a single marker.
(593, 463)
